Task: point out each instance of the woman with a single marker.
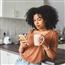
(43, 19)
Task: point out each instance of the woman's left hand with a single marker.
(46, 46)
(41, 40)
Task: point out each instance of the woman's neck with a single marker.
(42, 29)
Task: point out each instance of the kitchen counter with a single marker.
(14, 49)
(10, 48)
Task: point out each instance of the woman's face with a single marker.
(39, 21)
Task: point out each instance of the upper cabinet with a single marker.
(0, 8)
(18, 8)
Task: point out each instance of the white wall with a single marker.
(13, 27)
(59, 5)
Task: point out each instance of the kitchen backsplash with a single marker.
(13, 27)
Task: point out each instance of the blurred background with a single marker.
(12, 23)
(12, 15)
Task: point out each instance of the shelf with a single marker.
(12, 18)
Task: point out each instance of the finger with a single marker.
(27, 43)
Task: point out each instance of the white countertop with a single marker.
(61, 46)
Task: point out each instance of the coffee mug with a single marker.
(38, 38)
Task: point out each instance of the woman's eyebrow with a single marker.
(40, 16)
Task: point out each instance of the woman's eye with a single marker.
(39, 19)
(34, 20)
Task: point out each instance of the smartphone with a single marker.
(22, 37)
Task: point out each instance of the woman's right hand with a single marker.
(23, 44)
(23, 41)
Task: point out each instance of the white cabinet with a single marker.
(12, 58)
(8, 58)
(18, 8)
(0, 56)
(4, 58)
(0, 8)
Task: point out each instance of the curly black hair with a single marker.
(48, 13)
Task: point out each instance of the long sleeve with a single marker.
(54, 42)
(51, 51)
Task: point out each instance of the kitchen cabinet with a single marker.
(0, 56)
(8, 58)
(4, 57)
(0, 8)
(18, 8)
(12, 58)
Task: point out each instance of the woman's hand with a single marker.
(23, 43)
(41, 40)
(45, 46)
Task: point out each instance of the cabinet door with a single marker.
(0, 56)
(4, 58)
(8, 58)
(12, 58)
(0, 8)
(18, 8)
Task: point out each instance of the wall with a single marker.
(15, 9)
(13, 27)
(59, 5)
